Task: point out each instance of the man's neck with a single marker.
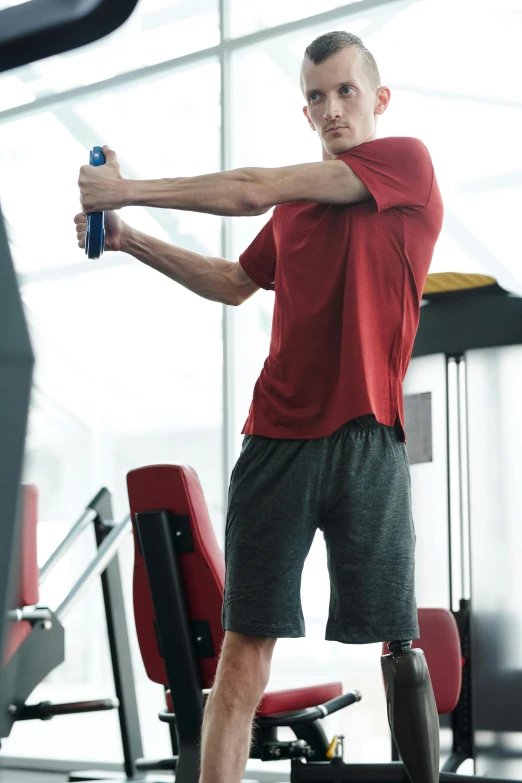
(327, 156)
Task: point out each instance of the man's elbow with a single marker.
(256, 198)
(254, 205)
(234, 300)
(238, 297)
(253, 211)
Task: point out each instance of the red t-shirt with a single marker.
(348, 281)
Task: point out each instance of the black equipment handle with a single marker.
(41, 28)
(310, 714)
(45, 710)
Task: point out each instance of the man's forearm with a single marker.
(211, 278)
(228, 193)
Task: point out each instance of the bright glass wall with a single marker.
(130, 366)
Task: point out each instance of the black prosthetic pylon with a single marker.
(412, 712)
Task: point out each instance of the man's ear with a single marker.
(305, 112)
(383, 99)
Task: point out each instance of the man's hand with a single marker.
(102, 187)
(114, 230)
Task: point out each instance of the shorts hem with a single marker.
(337, 635)
(281, 632)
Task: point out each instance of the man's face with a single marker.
(339, 95)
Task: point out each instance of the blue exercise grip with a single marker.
(95, 238)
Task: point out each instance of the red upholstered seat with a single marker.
(27, 584)
(439, 638)
(298, 698)
(274, 702)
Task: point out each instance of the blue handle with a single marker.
(95, 238)
(96, 156)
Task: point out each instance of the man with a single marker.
(347, 251)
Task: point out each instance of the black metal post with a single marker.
(462, 715)
(160, 535)
(118, 640)
(173, 731)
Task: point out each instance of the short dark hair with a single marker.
(330, 43)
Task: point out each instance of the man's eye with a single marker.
(346, 87)
(312, 96)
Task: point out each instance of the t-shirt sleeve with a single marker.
(398, 171)
(259, 259)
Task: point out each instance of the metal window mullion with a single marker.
(465, 537)
(458, 482)
(226, 250)
(454, 503)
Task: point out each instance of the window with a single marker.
(245, 18)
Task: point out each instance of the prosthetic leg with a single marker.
(412, 712)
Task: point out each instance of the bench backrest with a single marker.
(176, 488)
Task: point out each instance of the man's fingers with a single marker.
(110, 155)
(80, 221)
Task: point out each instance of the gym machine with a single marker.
(36, 634)
(462, 408)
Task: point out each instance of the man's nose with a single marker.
(332, 109)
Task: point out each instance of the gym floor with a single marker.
(24, 776)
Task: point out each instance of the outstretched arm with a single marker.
(240, 192)
(212, 278)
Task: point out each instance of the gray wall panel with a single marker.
(429, 486)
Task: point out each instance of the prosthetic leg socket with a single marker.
(412, 711)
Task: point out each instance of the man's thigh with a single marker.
(273, 513)
(370, 537)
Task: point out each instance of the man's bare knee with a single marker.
(244, 666)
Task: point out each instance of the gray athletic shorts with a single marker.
(354, 485)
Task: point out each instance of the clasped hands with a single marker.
(102, 188)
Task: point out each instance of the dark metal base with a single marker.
(117, 777)
(337, 771)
